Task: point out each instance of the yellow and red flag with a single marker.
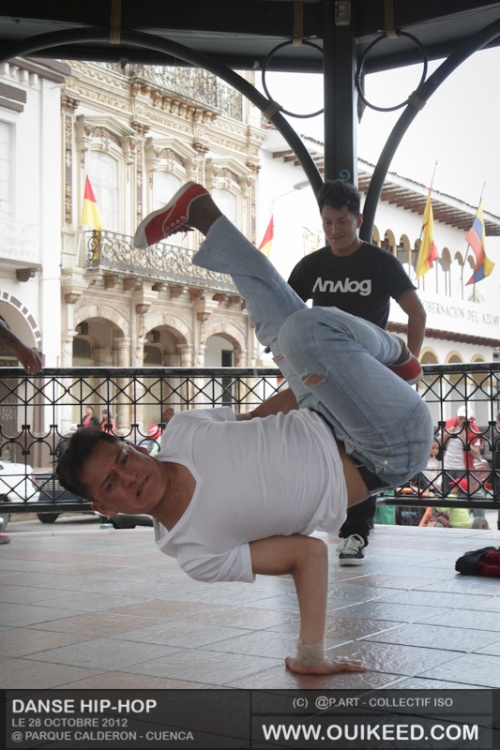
(267, 241)
(428, 251)
(90, 212)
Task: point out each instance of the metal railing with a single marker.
(195, 85)
(38, 412)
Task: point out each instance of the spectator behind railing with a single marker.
(107, 422)
(461, 444)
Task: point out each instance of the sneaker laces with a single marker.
(352, 543)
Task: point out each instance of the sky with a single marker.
(458, 128)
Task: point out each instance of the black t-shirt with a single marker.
(361, 284)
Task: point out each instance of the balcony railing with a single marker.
(192, 84)
(37, 412)
(116, 253)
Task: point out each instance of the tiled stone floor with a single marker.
(95, 608)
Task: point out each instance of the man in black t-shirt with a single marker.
(361, 279)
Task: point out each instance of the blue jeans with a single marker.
(381, 420)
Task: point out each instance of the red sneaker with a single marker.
(4, 539)
(410, 370)
(170, 219)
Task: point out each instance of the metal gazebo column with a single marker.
(339, 68)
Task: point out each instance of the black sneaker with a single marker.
(350, 550)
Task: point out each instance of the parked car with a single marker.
(51, 492)
(16, 485)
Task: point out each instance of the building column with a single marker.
(124, 410)
(68, 328)
(186, 352)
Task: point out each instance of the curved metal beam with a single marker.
(197, 59)
(420, 97)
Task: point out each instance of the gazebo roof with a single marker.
(242, 33)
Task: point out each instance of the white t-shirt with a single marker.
(432, 472)
(279, 475)
(455, 453)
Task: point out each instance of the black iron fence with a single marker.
(38, 412)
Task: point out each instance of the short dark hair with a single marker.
(75, 453)
(339, 194)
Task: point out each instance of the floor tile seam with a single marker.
(430, 647)
(29, 654)
(224, 639)
(392, 600)
(210, 685)
(430, 621)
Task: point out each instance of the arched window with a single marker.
(228, 204)
(165, 186)
(104, 179)
(445, 263)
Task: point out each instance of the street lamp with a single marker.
(297, 186)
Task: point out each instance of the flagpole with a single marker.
(432, 180)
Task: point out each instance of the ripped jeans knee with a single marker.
(311, 380)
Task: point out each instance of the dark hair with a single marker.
(339, 194)
(73, 456)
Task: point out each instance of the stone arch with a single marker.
(389, 242)
(20, 320)
(454, 357)
(181, 331)
(404, 242)
(445, 259)
(404, 250)
(228, 331)
(105, 312)
(428, 356)
(479, 378)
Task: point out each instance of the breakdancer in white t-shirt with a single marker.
(235, 495)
